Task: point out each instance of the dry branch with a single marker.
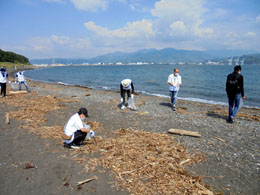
(86, 180)
(184, 132)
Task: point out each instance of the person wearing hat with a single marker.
(75, 131)
(3, 79)
(126, 87)
(20, 77)
(174, 81)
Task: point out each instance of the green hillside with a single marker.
(7, 56)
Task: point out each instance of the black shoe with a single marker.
(71, 146)
(232, 119)
(173, 109)
(66, 145)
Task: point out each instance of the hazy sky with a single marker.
(87, 28)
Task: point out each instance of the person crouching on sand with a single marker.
(174, 81)
(126, 87)
(75, 131)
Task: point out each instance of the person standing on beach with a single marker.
(3, 79)
(20, 77)
(75, 131)
(126, 87)
(174, 81)
(235, 90)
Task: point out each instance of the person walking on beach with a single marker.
(174, 81)
(126, 87)
(20, 77)
(75, 131)
(3, 79)
(235, 90)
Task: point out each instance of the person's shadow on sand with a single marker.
(166, 104)
(215, 115)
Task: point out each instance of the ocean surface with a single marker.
(202, 83)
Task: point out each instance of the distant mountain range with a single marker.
(167, 55)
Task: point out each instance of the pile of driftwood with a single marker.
(142, 162)
(147, 163)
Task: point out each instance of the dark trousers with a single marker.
(3, 89)
(79, 137)
(128, 94)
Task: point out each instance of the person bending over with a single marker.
(75, 131)
(126, 87)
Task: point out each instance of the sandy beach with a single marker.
(224, 160)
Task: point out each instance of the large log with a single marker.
(184, 132)
(17, 92)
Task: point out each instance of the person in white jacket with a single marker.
(3, 79)
(76, 131)
(20, 77)
(174, 81)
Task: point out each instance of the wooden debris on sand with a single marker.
(184, 132)
(86, 180)
(147, 163)
(7, 118)
(17, 92)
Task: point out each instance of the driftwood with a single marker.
(204, 189)
(86, 180)
(184, 132)
(17, 92)
(7, 118)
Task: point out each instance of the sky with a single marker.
(88, 28)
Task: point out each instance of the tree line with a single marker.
(7, 56)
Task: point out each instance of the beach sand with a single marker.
(225, 158)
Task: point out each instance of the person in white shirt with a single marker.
(3, 79)
(75, 130)
(20, 77)
(126, 87)
(174, 81)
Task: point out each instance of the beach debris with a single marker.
(184, 132)
(66, 179)
(7, 118)
(146, 162)
(204, 190)
(17, 92)
(185, 161)
(87, 94)
(219, 139)
(87, 180)
(143, 113)
(29, 165)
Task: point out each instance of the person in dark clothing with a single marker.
(126, 86)
(235, 90)
(3, 80)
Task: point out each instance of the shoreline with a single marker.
(230, 150)
(211, 102)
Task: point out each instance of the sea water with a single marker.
(202, 83)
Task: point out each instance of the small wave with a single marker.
(61, 83)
